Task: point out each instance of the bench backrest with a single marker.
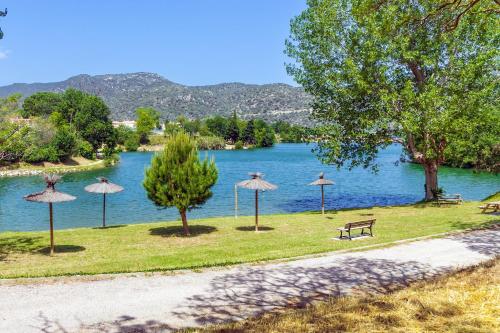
(360, 224)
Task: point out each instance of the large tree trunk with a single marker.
(184, 222)
(431, 180)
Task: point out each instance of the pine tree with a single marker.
(233, 130)
(249, 133)
(177, 177)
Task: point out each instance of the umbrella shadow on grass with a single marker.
(178, 231)
(62, 249)
(252, 228)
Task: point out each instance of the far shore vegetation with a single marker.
(54, 129)
(213, 133)
(221, 241)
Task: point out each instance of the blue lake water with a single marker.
(290, 166)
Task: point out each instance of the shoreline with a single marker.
(35, 171)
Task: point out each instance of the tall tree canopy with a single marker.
(384, 71)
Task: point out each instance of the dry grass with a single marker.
(467, 301)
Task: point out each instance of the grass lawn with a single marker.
(467, 301)
(218, 241)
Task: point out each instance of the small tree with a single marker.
(147, 120)
(177, 177)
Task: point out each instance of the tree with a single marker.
(177, 177)
(249, 133)
(2, 14)
(456, 9)
(65, 142)
(147, 120)
(381, 72)
(217, 125)
(91, 121)
(232, 131)
(41, 104)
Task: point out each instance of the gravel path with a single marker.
(161, 302)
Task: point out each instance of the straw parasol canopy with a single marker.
(50, 196)
(257, 184)
(321, 181)
(103, 187)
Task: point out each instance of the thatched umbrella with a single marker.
(257, 184)
(321, 181)
(50, 196)
(104, 187)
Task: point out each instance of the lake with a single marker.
(290, 166)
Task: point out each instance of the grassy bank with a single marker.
(75, 164)
(218, 241)
(467, 301)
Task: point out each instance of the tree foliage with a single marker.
(177, 177)
(2, 14)
(56, 127)
(384, 71)
(147, 120)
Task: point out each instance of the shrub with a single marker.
(238, 145)
(86, 150)
(36, 155)
(132, 143)
(65, 143)
(210, 143)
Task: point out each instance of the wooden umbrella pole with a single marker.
(236, 201)
(322, 200)
(51, 230)
(256, 210)
(104, 211)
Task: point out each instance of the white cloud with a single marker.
(4, 54)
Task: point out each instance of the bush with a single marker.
(65, 143)
(36, 155)
(158, 139)
(210, 143)
(123, 133)
(86, 150)
(238, 145)
(132, 143)
(111, 160)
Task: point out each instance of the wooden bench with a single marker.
(455, 199)
(494, 206)
(368, 224)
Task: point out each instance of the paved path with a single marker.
(159, 303)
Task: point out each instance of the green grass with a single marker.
(219, 241)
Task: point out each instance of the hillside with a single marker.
(125, 92)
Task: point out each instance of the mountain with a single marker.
(125, 92)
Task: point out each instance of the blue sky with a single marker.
(192, 42)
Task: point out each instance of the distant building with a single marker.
(126, 123)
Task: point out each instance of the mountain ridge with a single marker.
(127, 91)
